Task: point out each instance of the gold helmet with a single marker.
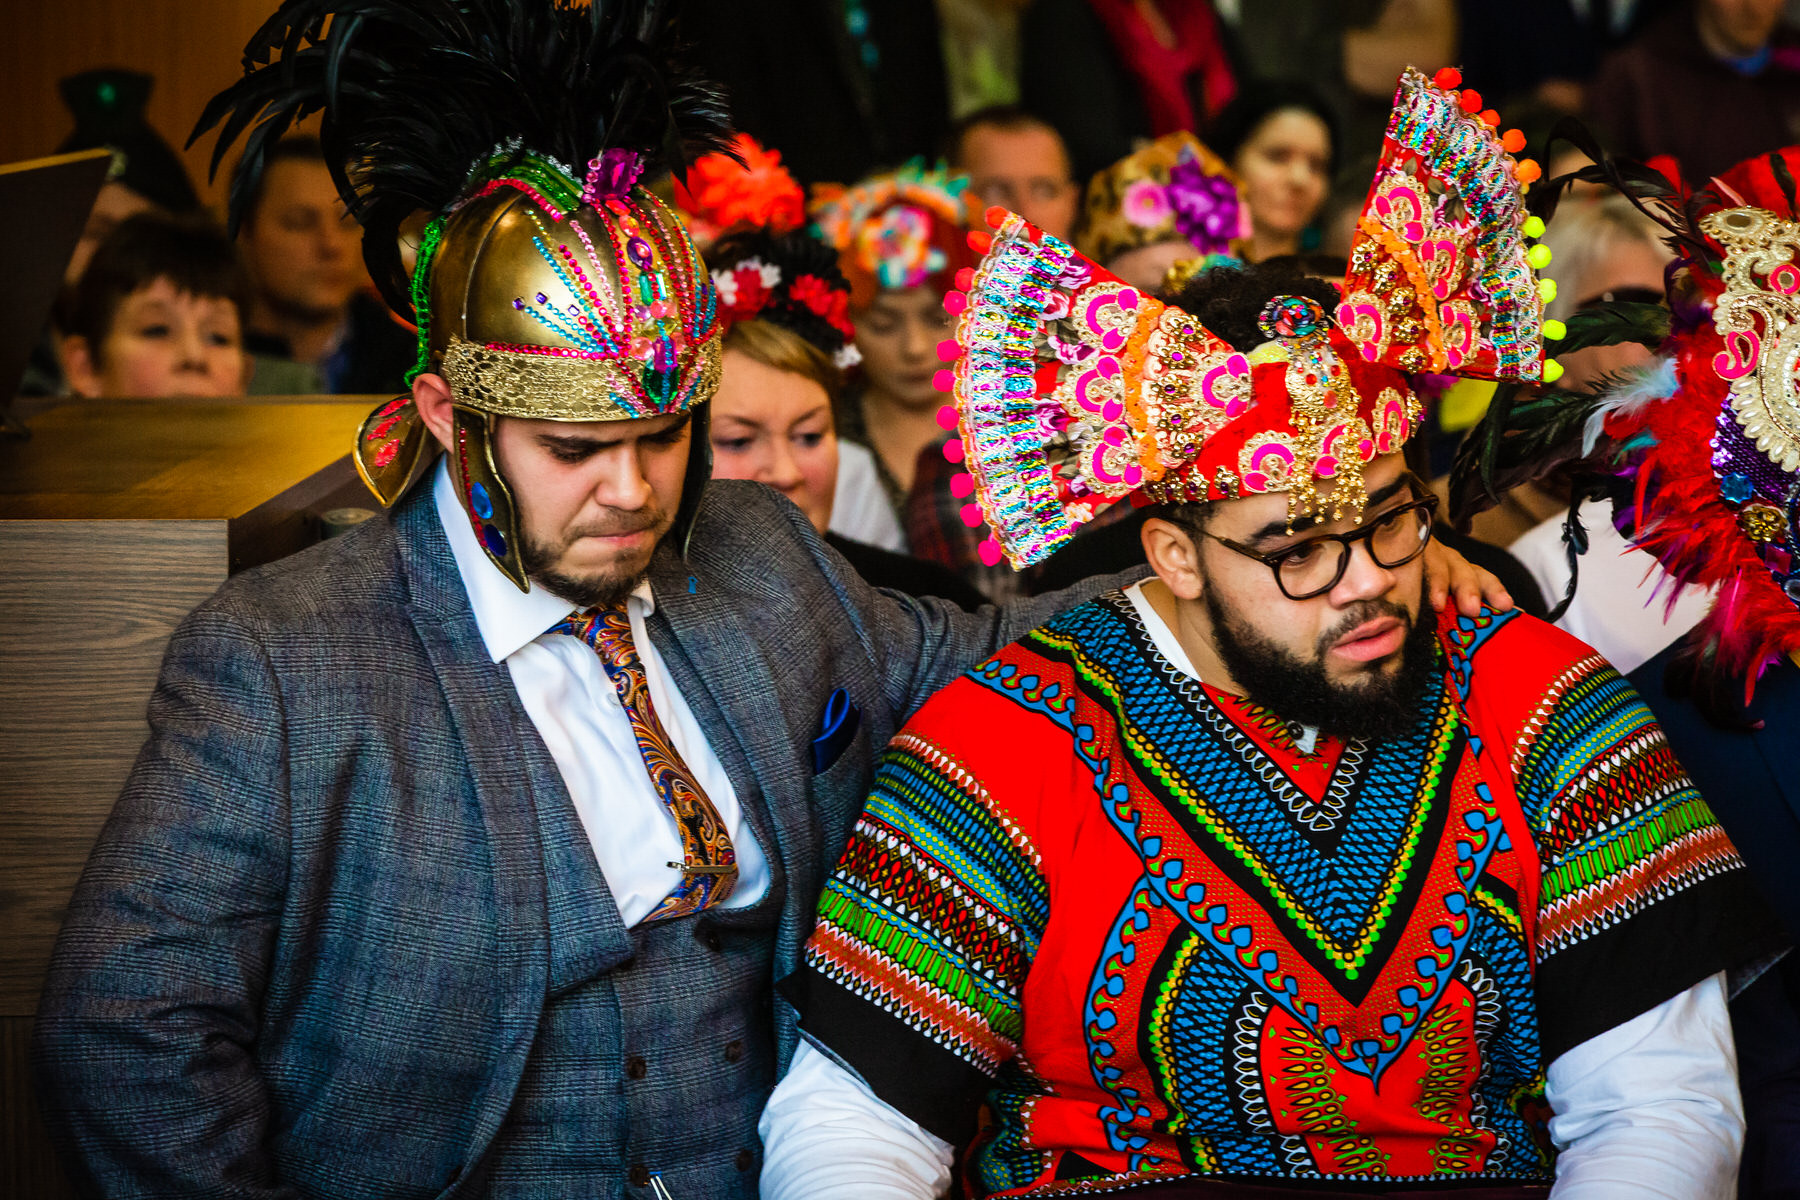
(540, 289)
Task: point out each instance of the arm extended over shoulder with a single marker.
(919, 644)
(145, 1034)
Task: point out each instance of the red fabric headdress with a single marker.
(1075, 390)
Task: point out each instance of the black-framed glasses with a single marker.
(1314, 566)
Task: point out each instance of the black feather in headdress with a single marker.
(419, 96)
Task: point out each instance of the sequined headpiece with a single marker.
(1173, 189)
(1702, 446)
(897, 230)
(549, 283)
(1075, 391)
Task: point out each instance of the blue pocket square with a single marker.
(837, 729)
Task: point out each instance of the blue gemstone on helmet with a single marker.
(496, 545)
(479, 501)
(1736, 488)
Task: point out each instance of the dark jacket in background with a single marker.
(1751, 779)
(838, 105)
(1666, 94)
(373, 359)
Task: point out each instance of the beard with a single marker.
(603, 587)
(1381, 705)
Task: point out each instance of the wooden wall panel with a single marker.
(87, 619)
(192, 47)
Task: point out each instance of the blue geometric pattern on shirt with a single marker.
(1329, 875)
(1509, 1046)
(1102, 1031)
(1203, 1045)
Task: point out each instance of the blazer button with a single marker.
(640, 1175)
(711, 938)
(734, 1051)
(745, 1160)
(636, 1068)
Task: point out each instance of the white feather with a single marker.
(1644, 385)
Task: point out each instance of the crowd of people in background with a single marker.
(1116, 124)
(876, 140)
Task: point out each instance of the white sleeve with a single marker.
(1650, 1108)
(824, 1133)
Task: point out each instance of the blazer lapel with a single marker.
(516, 784)
(735, 701)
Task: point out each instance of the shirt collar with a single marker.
(509, 620)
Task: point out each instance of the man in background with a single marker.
(1713, 82)
(1019, 162)
(309, 301)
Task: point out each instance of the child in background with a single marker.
(158, 312)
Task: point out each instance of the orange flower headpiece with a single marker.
(722, 195)
(1074, 390)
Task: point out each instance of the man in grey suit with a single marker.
(466, 848)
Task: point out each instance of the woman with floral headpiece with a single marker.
(901, 238)
(788, 358)
(1172, 204)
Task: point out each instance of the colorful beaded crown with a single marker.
(897, 230)
(1074, 390)
(1173, 189)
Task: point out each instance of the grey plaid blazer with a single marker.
(311, 941)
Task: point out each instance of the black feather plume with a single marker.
(418, 95)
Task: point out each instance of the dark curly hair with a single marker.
(1229, 300)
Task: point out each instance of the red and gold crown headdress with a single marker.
(1074, 390)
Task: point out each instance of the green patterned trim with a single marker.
(421, 294)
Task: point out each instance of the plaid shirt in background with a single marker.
(935, 528)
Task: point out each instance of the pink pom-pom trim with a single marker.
(953, 450)
(947, 416)
(962, 484)
(991, 553)
(971, 515)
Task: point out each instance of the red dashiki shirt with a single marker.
(1155, 938)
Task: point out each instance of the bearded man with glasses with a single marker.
(1257, 876)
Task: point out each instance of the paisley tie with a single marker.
(709, 864)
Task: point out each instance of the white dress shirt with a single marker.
(1621, 606)
(1649, 1108)
(860, 509)
(570, 700)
